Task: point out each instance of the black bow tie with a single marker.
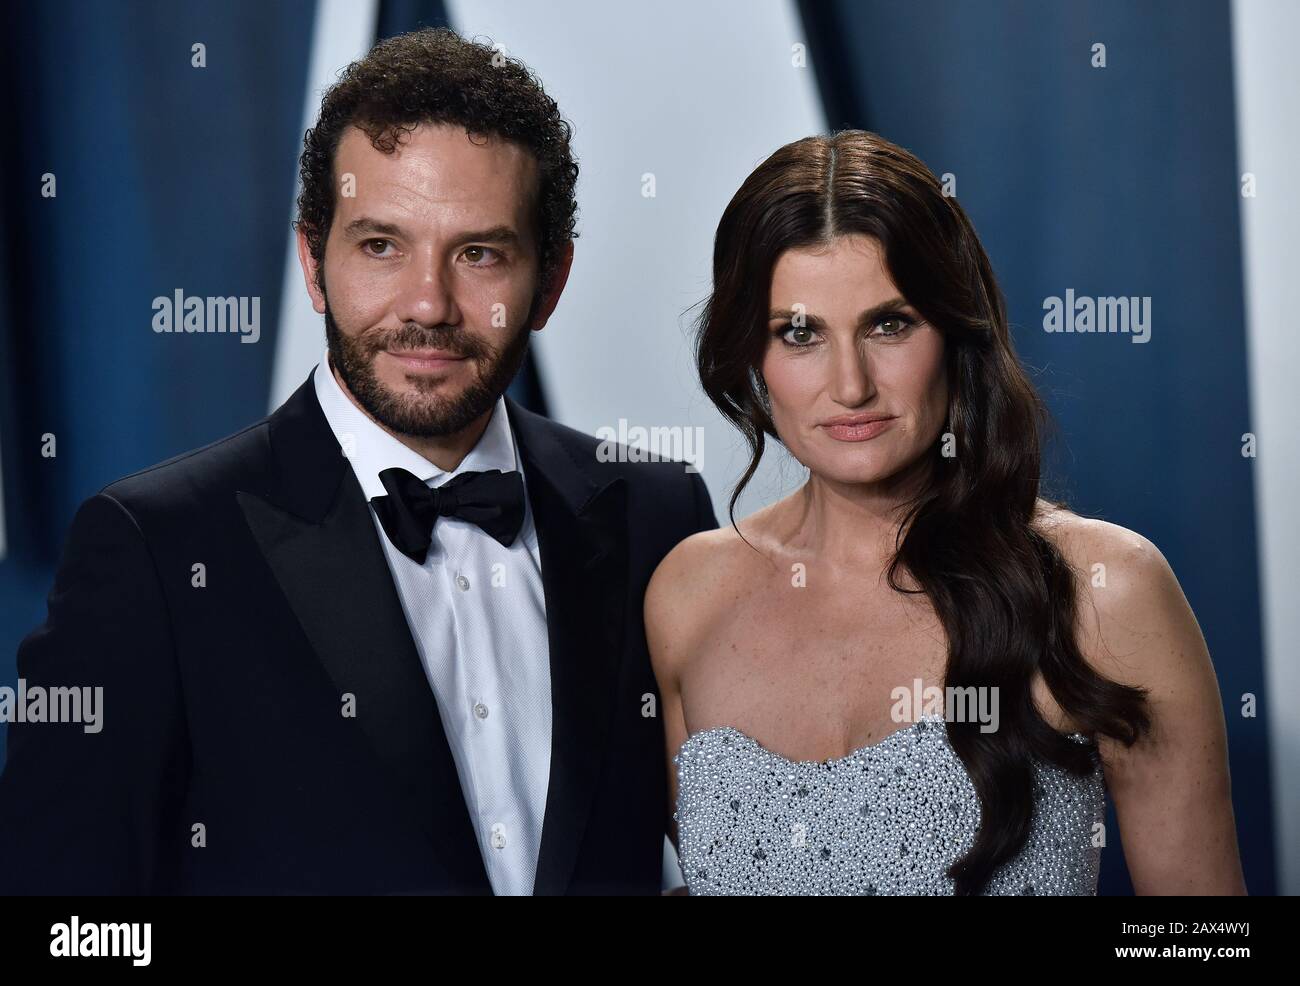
(493, 500)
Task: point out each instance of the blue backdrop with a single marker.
(1119, 180)
(1111, 181)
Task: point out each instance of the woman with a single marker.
(855, 319)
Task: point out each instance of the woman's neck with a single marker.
(852, 524)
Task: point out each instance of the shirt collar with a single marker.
(370, 449)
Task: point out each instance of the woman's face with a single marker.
(857, 380)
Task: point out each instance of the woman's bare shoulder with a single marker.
(691, 574)
(1107, 555)
(1137, 628)
(692, 588)
(1129, 598)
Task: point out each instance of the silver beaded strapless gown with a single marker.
(889, 818)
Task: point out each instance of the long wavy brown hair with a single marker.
(1004, 593)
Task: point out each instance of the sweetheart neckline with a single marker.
(931, 717)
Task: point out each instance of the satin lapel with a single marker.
(315, 530)
(581, 522)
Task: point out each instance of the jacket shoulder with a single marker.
(239, 461)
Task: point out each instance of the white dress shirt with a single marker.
(478, 615)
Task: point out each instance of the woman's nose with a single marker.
(850, 384)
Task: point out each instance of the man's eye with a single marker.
(480, 256)
(798, 336)
(367, 246)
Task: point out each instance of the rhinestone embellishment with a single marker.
(887, 819)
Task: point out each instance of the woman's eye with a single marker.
(480, 256)
(900, 324)
(798, 336)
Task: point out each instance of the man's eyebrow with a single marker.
(496, 234)
(866, 318)
(365, 225)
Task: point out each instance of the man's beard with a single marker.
(424, 415)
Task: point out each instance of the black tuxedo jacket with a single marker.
(225, 763)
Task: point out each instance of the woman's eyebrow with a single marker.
(867, 317)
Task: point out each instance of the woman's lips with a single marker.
(858, 432)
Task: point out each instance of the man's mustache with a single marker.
(450, 340)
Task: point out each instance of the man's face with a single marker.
(430, 275)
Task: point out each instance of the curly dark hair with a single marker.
(435, 76)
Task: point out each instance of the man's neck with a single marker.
(444, 451)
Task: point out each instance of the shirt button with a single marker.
(498, 836)
(462, 582)
(480, 710)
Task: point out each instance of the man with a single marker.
(389, 639)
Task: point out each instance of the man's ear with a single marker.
(308, 264)
(551, 295)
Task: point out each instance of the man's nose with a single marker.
(425, 293)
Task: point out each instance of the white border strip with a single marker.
(1267, 76)
(344, 31)
(695, 94)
